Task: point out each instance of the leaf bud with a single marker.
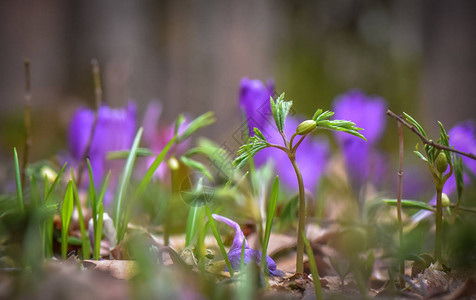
(441, 162)
(445, 200)
(306, 127)
(173, 163)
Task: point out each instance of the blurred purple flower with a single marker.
(363, 161)
(254, 102)
(115, 131)
(234, 254)
(157, 136)
(311, 155)
(462, 137)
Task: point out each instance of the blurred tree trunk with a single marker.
(449, 53)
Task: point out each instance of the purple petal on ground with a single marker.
(251, 255)
(234, 254)
(254, 102)
(239, 236)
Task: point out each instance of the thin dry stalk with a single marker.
(98, 100)
(27, 118)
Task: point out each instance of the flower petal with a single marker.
(234, 254)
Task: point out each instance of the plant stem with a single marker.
(399, 201)
(439, 223)
(302, 218)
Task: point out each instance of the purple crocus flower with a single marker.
(254, 102)
(234, 254)
(363, 161)
(115, 131)
(462, 137)
(156, 137)
(311, 155)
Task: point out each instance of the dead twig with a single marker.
(27, 118)
(98, 99)
(399, 200)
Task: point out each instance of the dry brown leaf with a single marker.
(120, 269)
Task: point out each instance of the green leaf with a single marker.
(322, 115)
(200, 122)
(249, 150)
(445, 140)
(313, 266)
(66, 213)
(122, 188)
(259, 133)
(317, 114)
(21, 206)
(217, 155)
(196, 165)
(141, 152)
(415, 124)
(280, 110)
(180, 120)
(218, 238)
(341, 125)
(410, 204)
(418, 153)
(273, 200)
(274, 109)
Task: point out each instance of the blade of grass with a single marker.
(35, 193)
(98, 233)
(92, 191)
(66, 213)
(242, 256)
(85, 244)
(47, 226)
(200, 244)
(247, 286)
(312, 264)
(122, 188)
(213, 225)
(55, 182)
(273, 200)
(100, 218)
(153, 167)
(410, 204)
(141, 152)
(191, 228)
(21, 206)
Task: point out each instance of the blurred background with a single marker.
(419, 55)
